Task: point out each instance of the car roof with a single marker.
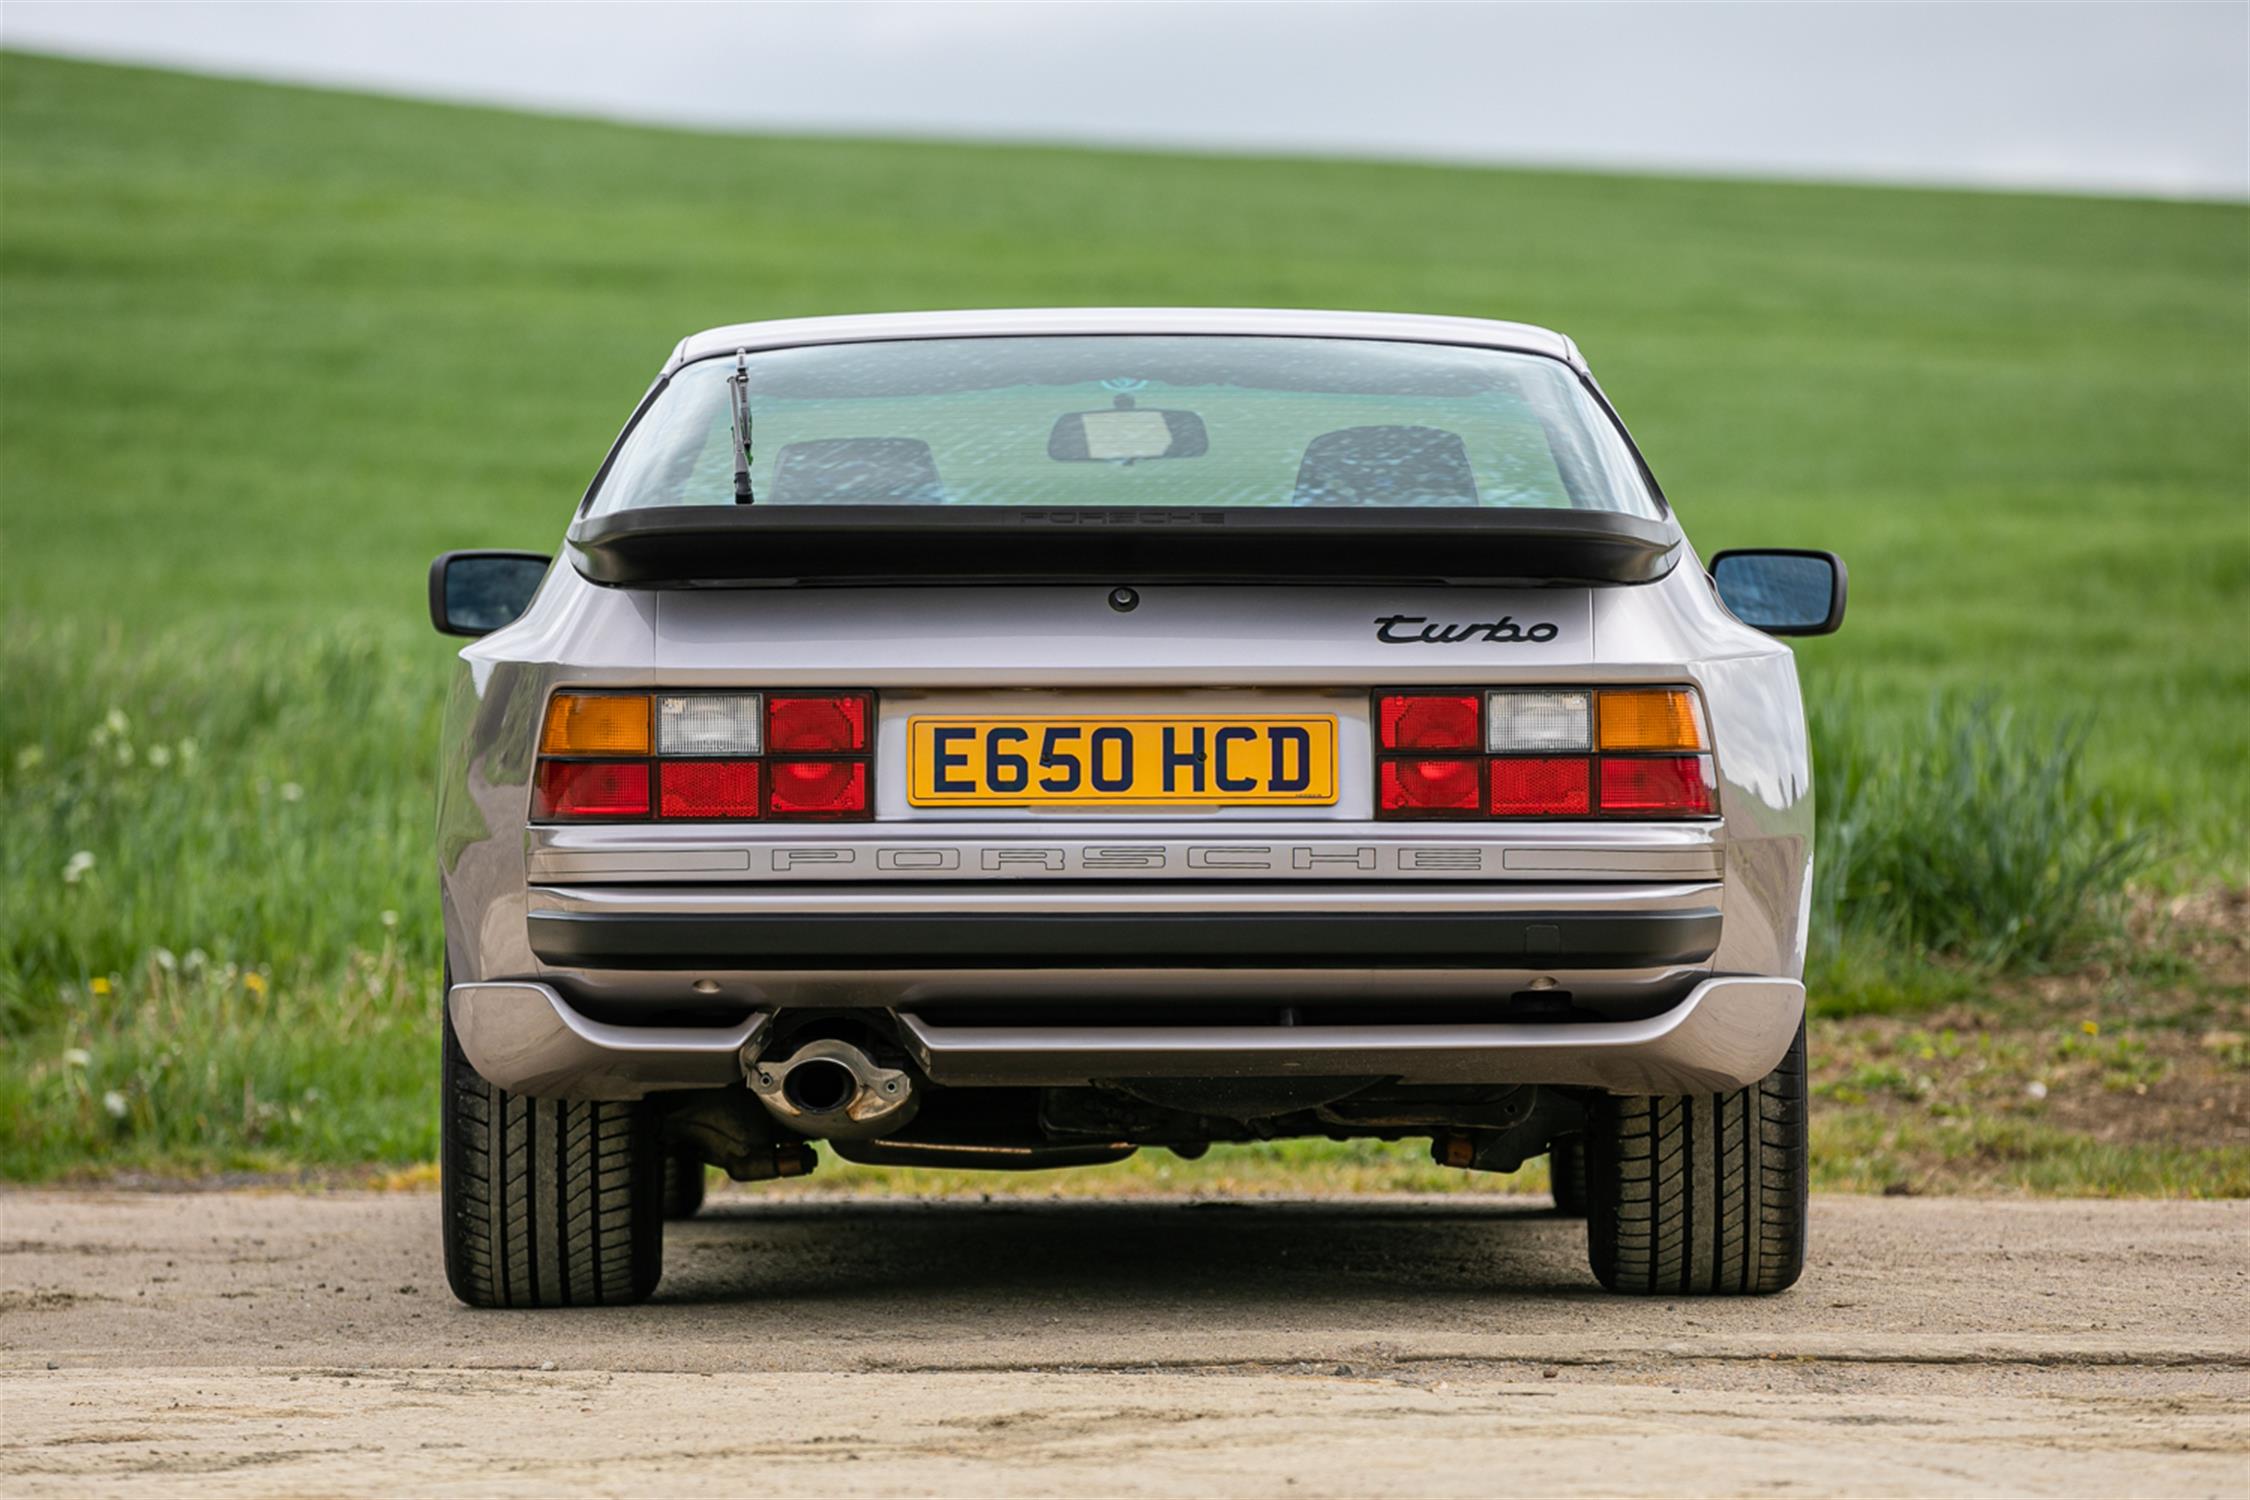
(1051, 321)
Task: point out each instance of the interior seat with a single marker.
(1386, 466)
(857, 471)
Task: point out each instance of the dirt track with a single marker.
(245, 1344)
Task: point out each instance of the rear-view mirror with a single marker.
(1126, 434)
(475, 593)
(1782, 591)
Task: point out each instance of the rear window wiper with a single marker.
(740, 403)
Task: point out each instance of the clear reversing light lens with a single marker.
(1518, 723)
(710, 724)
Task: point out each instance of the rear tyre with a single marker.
(546, 1202)
(1566, 1175)
(1702, 1194)
(683, 1186)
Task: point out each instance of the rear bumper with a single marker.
(967, 937)
(1727, 1033)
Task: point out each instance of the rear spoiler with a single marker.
(712, 546)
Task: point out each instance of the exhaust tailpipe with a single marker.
(833, 1091)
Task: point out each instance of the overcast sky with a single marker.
(2145, 99)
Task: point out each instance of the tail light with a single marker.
(704, 757)
(1544, 753)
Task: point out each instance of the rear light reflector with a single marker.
(818, 788)
(595, 724)
(710, 724)
(708, 789)
(1413, 785)
(832, 724)
(1525, 787)
(1673, 785)
(1535, 723)
(1650, 719)
(1428, 721)
(582, 790)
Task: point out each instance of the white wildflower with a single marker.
(166, 961)
(390, 919)
(77, 866)
(114, 1102)
(2035, 1089)
(124, 753)
(116, 722)
(291, 792)
(77, 1057)
(196, 961)
(188, 751)
(160, 756)
(29, 757)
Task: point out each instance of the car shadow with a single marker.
(1283, 1259)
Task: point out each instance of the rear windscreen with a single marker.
(1129, 420)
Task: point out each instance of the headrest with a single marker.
(857, 471)
(1386, 466)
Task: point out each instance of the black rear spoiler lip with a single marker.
(709, 546)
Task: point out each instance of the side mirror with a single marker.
(475, 593)
(1782, 590)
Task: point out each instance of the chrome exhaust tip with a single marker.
(831, 1090)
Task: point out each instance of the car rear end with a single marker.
(1115, 848)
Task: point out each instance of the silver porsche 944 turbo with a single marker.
(1018, 739)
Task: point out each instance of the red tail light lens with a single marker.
(708, 789)
(818, 788)
(1429, 721)
(1432, 786)
(1541, 788)
(1674, 785)
(832, 724)
(583, 790)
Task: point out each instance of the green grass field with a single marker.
(264, 351)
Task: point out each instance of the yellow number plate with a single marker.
(1129, 759)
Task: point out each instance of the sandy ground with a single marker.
(273, 1344)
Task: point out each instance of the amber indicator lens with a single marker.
(595, 724)
(1650, 719)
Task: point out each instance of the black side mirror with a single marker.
(475, 593)
(1782, 590)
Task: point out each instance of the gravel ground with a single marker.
(280, 1344)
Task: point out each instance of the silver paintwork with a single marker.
(1042, 649)
(1727, 1032)
(1062, 322)
(1149, 849)
(526, 1038)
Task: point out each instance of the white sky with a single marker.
(2143, 99)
